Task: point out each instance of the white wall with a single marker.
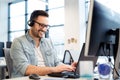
(3, 20)
(75, 26)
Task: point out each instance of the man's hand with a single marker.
(74, 64)
(64, 67)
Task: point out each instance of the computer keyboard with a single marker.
(65, 74)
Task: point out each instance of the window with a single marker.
(19, 14)
(17, 23)
(56, 16)
(15, 34)
(17, 9)
(36, 5)
(55, 3)
(56, 20)
(17, 19)
(57, 35)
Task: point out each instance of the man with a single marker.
(32, 53)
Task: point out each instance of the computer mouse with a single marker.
(34, 76)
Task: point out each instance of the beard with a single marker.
(38, 33)
(41, 33)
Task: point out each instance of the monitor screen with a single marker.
(101, 20)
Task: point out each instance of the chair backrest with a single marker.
(67, 58)
(8, 44)
(1, 49)
(8, 60)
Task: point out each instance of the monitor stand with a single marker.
(89, 58)
(116, 70)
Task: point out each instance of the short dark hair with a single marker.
(37, 13)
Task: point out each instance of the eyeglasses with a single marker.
(42, 25)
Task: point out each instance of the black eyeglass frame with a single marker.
(42, 25)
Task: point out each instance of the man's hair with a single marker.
(37, 13)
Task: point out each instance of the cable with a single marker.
(109, 59)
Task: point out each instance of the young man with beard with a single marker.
(32, 53)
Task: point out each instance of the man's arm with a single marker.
(31, 69)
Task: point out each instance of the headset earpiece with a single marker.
(30, 23)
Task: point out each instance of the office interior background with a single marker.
(68, 20)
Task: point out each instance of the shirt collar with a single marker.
(30, 38)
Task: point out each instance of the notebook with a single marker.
(68, 74)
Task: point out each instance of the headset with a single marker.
(32, 17)
(35, 14)
(31, 23)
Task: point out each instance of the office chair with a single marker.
(67, 59)
(1, 49)
(8, 59)
(8, 44)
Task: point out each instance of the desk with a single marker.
(56, 78)
(2, 67)
(47, 78)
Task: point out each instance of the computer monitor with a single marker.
(101, 21)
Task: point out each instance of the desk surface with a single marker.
(46, 78)
(53, 78)
(56, 78)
